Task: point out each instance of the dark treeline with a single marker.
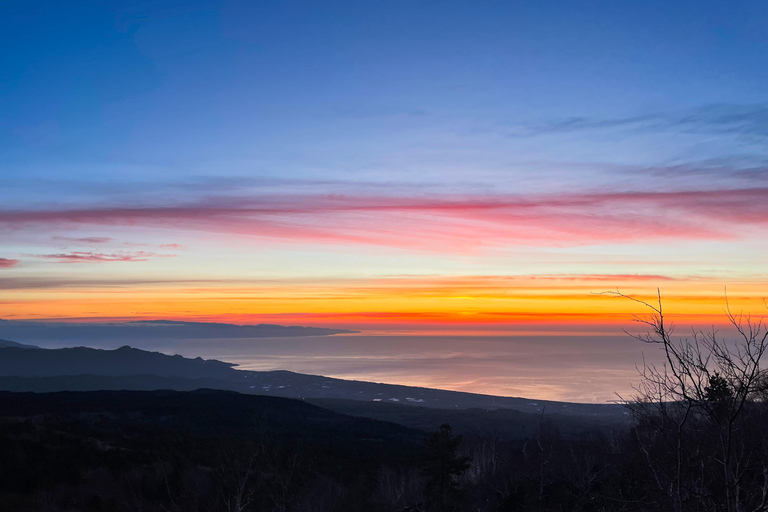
(219, 451)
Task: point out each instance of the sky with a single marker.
(483, 167)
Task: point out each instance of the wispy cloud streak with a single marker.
(8, 263)
(100, 257)
(379, 284)
(745, 120)
(730, 169)
(445, 223)
(84, 240)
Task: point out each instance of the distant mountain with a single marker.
(6, 343)
(151, 329)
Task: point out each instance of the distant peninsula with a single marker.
(151, 329)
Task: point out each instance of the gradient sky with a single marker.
(400, 166)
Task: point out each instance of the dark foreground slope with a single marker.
(205, 411)
(166, 450)
(501, 424)
(218, 451)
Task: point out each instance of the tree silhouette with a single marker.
(699, 414)
(718, 391)
(442, 467)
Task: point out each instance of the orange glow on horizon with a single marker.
(413, 304)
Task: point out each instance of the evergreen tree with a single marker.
(442, 467)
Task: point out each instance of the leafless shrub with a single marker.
(699, 413)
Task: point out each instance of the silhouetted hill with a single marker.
(6, 343)
(124, 361)
(151, 329)
(196, 451)
(204, 411)
(107, 383)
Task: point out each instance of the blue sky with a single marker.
(305, 141)
(356, 91)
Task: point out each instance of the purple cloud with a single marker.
(8, 263)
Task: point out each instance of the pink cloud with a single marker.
(8, 263)
(450, 223)
(85, 240)
(97, 257)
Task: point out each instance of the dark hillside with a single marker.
(205, 411)
(123, 361)
(167, 450)
(503, 424)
